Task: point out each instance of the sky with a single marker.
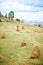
(30, 10)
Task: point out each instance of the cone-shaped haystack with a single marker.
(35, 53)
(3, 36)
(17, 29)
(23, 43)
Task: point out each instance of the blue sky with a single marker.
(31, 10)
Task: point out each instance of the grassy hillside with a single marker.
(11, 52)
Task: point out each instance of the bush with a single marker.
(0, 20)
(18, 20)
(3, 36)
(39, 25)
(7, 20)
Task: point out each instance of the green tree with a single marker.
(22, 21)
(11, 15)
(1, 14)
(6, 15)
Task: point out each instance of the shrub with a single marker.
(18, 19)
(0, 20)
(7, 20)
(39, 25)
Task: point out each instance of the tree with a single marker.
(11, 15)
(1, 14)
(6, 15)
(22, 21)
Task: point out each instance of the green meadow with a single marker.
(11, 52)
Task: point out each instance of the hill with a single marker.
(11, 52)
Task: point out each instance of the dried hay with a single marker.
(3, 36)
(23, 43)
(22, 27)
(35, 53)
(17, 29)
(17, 26)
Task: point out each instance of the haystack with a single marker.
(3, 36)
(17, 28)
(35, 53)
(22, 27)
(23, 43)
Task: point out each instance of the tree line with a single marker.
(10, 16)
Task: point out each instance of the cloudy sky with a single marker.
(30, 10)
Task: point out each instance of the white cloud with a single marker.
(22, 11)
(12, 5)
(33, 16)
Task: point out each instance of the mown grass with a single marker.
(11, 52)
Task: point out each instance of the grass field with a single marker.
(11, 52)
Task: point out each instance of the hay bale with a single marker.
(22, 27)
(17, 29)
(23, 43)
(3, 36)
(35, 53)
(1, 57)
(17, 26)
